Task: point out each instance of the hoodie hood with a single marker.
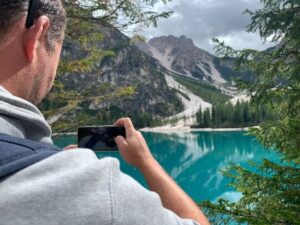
(20, 118)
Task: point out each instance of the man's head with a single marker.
(31, 36)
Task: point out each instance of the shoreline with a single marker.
(188, 129)
(62, 134)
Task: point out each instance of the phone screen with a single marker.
(99, 138)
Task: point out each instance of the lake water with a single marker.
(195, 159)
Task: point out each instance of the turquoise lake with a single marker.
(195, 159)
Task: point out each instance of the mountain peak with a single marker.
(180, 55)
(164, 42)
(184, 38)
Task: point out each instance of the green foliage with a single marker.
(118, 14)
(182, 94)
(271, 195)
(86, 117)
(206, 118)
(271, 184)
(207, 92)
(243, 114)
(102, 104)
(86, 19)
(72, 106)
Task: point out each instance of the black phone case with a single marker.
(99, 138)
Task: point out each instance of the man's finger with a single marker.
(127, 123)
(122, 143)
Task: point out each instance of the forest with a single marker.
(242, 114)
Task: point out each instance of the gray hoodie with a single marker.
(22, 119)
(71, 187)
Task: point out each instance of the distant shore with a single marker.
(62, 134)
(188, 129)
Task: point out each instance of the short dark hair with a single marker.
(13, 10)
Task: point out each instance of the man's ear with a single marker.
(35, 36)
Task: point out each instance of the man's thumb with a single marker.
(122, 143)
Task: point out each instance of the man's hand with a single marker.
(133, 149)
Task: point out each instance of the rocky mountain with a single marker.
(171, 78)
(129, 67)
(179, 54)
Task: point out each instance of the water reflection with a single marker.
(195, 159)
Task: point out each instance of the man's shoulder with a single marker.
(71, 165)
(74, 179)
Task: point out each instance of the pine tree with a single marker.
(199, 116)
(214, 116)
(206, 118)
(270, 196)
(246, 113)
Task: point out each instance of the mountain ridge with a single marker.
(181, 55)
(161, 93)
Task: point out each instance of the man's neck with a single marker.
(16, 85)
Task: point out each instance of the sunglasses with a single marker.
(30, 13)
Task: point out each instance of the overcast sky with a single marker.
(203, 19)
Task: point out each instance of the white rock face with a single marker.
(191, 106)
(214, 74)
(181, 56)
(240, 98)
(165, 58)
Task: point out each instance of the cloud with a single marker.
(202, 20)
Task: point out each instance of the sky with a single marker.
(201, 20)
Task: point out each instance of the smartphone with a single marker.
(99, 138)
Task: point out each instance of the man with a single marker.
(70, 187)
